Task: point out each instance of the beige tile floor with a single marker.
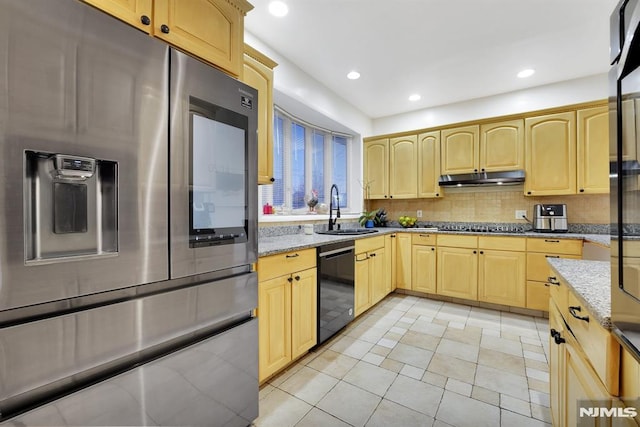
(411, 361)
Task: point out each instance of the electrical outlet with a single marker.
(419, 213)
(521, 214)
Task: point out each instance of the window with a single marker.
(306, 158)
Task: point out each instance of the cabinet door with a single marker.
(429, 164)
(258, 73)
(593, 150)
(501, 277)
(390, 259)
(133, 12)
(502, 146)
(376, 169)
(556, 366)
(424, 269)
(362, 287)
(403, 261)
(582, 385)
(459, 150)
(457, 272)
(380, 284)
(403, 167)
(304, 297)
(550, 154)
(274, 325)
(212, 30)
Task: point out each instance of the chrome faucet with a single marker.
(333, 222)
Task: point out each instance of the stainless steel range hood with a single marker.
(482, 178)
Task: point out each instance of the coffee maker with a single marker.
(550, 218)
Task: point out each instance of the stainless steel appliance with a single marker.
(128, 227)
(625, 179)
(550, 218)
(335, 288)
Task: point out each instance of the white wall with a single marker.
(296, 84)
(585, 89)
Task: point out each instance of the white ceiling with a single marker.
(445, 50)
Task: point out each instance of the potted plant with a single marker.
(366, 219)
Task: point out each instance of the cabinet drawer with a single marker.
(502, 243)
(424, 239)
(558, 292)
(538, 268)
(598, 344)
(369, 244)
(537, 296)
(285, 263)
(457, 241)
(555, 246)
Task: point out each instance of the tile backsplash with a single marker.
(494, 204)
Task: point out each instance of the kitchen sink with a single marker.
(348, 231)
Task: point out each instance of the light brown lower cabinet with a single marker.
(502, 270)
(584, 365)
(372, 274)
(287, 309)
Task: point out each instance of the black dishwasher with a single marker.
(335, 288)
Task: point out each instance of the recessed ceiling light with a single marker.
(353, 75)
(278, 8)
(526, 73)
(414, 97)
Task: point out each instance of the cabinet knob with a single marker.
(272, 179)
(556, 337)
(481, 252)
(372, 255)
(475, 170)
(385, 196)
(475, 252)
(391, 197)
(437, 194)
(145, 20)
(433, 249)
(582, 190)
(164, 28)
(529, 192)
(289, 279)
(297, 278)
(482, 169)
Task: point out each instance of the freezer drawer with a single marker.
(211, 383)
(42, 358)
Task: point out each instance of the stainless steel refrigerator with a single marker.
(128, 227)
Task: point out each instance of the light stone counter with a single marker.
(591, 282)
(271, 245)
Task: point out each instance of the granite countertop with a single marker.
(291, 242)
(591, 282)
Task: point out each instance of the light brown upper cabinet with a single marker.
(489, 147)
(460, 150)
(390, 168)
(429, 164)
(593, 150)
(403, 167)
(134, 12)
(376, 169)
(550, 154)
(502, 146)
(258, 73)
(212, 30)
